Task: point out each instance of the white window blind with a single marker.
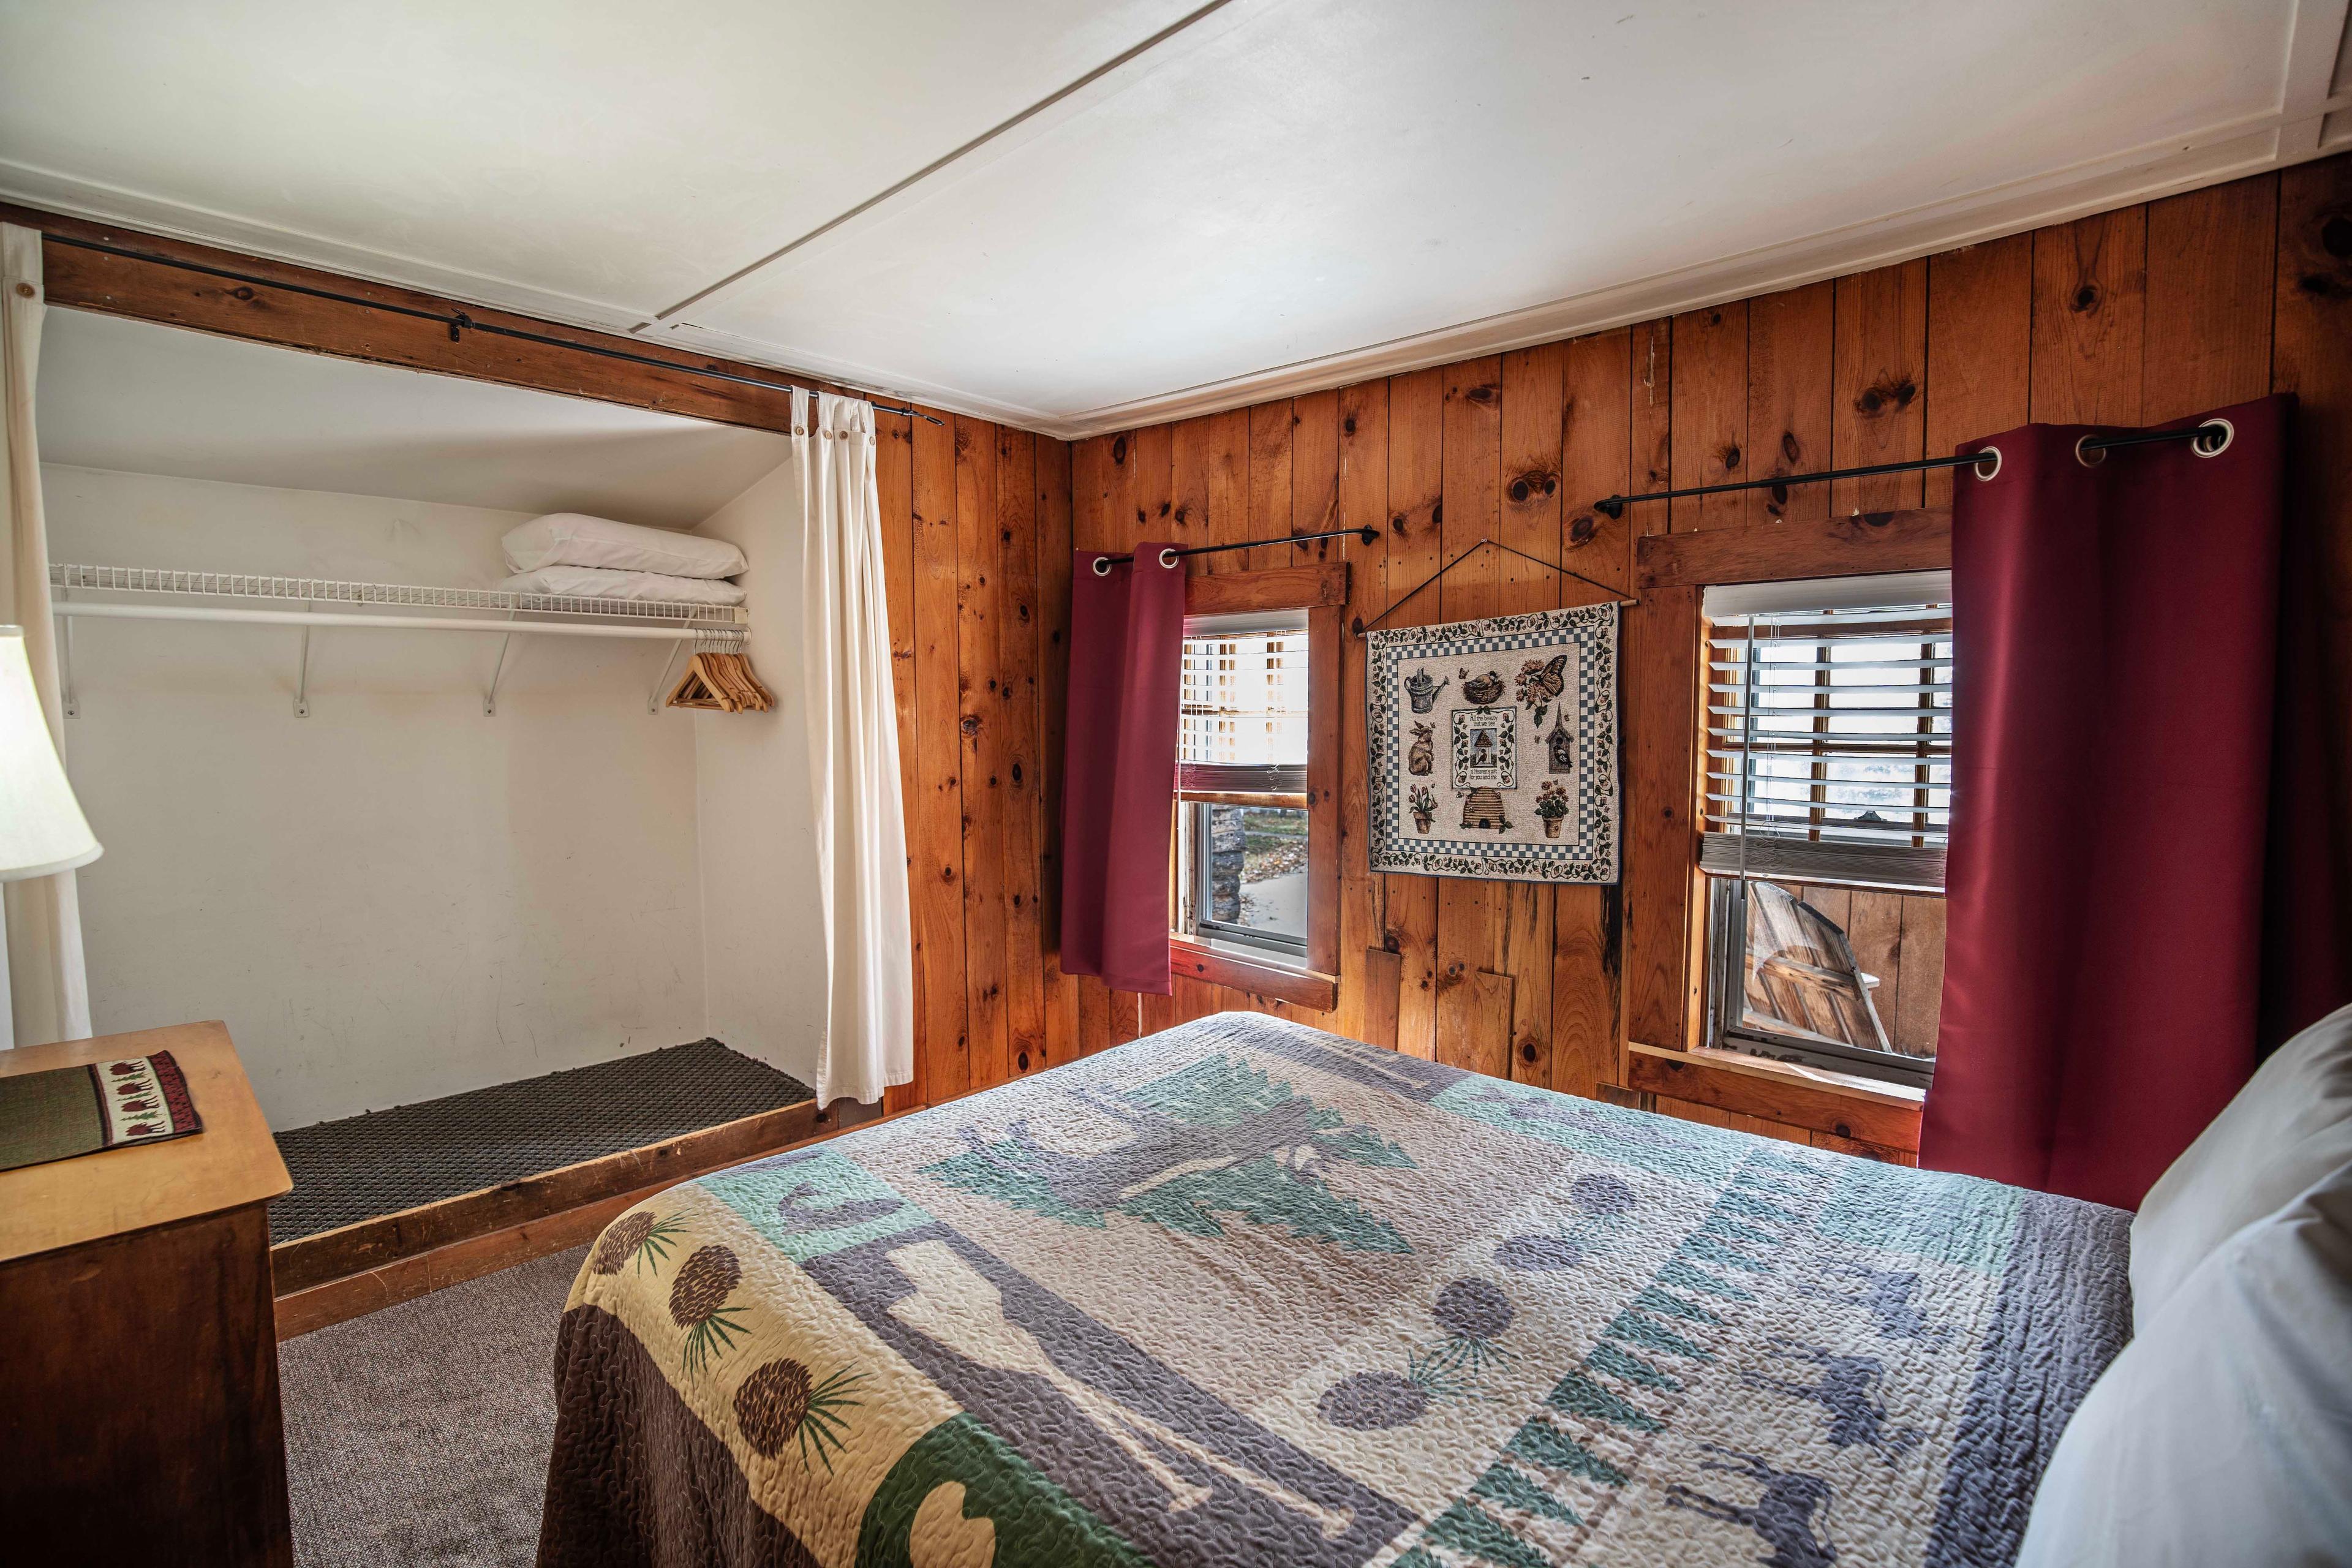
(1245, 693)
(1829, 730)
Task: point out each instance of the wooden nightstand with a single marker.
(139, 1419)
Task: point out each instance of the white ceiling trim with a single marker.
(2314, 52)
(889, 386)
(75, 197)
(2226, 153)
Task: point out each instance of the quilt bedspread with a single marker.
(1244, 1292)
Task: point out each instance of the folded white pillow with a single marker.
(2291, 1125)
(574, 538)
(2223, 1433)
(596, 583)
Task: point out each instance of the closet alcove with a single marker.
(477, 907)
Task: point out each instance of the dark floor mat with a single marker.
(363, 1166)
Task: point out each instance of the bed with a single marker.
(1246, 1292)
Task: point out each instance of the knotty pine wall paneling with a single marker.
(2143, 314)
(976, 523)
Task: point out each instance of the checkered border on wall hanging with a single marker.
(1586, 848)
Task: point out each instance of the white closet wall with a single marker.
(396, 897)
(764, 937)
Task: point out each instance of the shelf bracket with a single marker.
(490, 697)
(65, 660)
(302, 675)
(661, 684)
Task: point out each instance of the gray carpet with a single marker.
(363, 1166)
(419, 1435)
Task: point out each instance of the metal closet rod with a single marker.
(458, 321)
(2209, 437)
(1169, 554)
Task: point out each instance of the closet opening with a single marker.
(370, 678)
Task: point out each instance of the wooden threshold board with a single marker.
(338, 1274)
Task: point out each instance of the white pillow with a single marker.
(2223, 1433)
(2289, 1126)
(595, 583)
(574, 538)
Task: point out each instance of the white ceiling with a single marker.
(1077, 213)
(148, 399)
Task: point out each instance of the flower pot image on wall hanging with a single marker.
(1551, 804)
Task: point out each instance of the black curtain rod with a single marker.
(1368, 535)
(458, 321)
(2209, 436)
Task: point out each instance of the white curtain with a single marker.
(853, 740)
(48, 995)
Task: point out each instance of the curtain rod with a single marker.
(1169, 554)
(458, 321)
(2211, 438)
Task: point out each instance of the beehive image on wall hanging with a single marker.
(1482, 812)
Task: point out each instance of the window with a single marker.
(1827, 802)
(1242, 877)
(1253, 863)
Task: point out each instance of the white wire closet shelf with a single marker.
(718, 627)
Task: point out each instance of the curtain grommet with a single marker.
(1102, 565)
(1168, 557)
(1979, 468)
(2229, 434)
(2091, 459)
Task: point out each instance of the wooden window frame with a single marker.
(1664, 955)
(1322, 591)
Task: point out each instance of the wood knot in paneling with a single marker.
(2327, 257)
(1891, 393)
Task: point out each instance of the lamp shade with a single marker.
(41, 827)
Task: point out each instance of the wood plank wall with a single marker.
(2144, 314)
(976, 529)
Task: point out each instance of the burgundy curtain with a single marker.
(2116, 807)
(1119, 778)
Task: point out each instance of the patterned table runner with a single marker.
(65, 1111)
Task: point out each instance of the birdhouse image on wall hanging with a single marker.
(1560, 746)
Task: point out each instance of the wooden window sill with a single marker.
(1240, 797)
(1842, 1104)
(1301, 988)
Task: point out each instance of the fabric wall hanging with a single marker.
(1493, 747)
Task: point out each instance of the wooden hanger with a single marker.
(723, 681)
(693, 690)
